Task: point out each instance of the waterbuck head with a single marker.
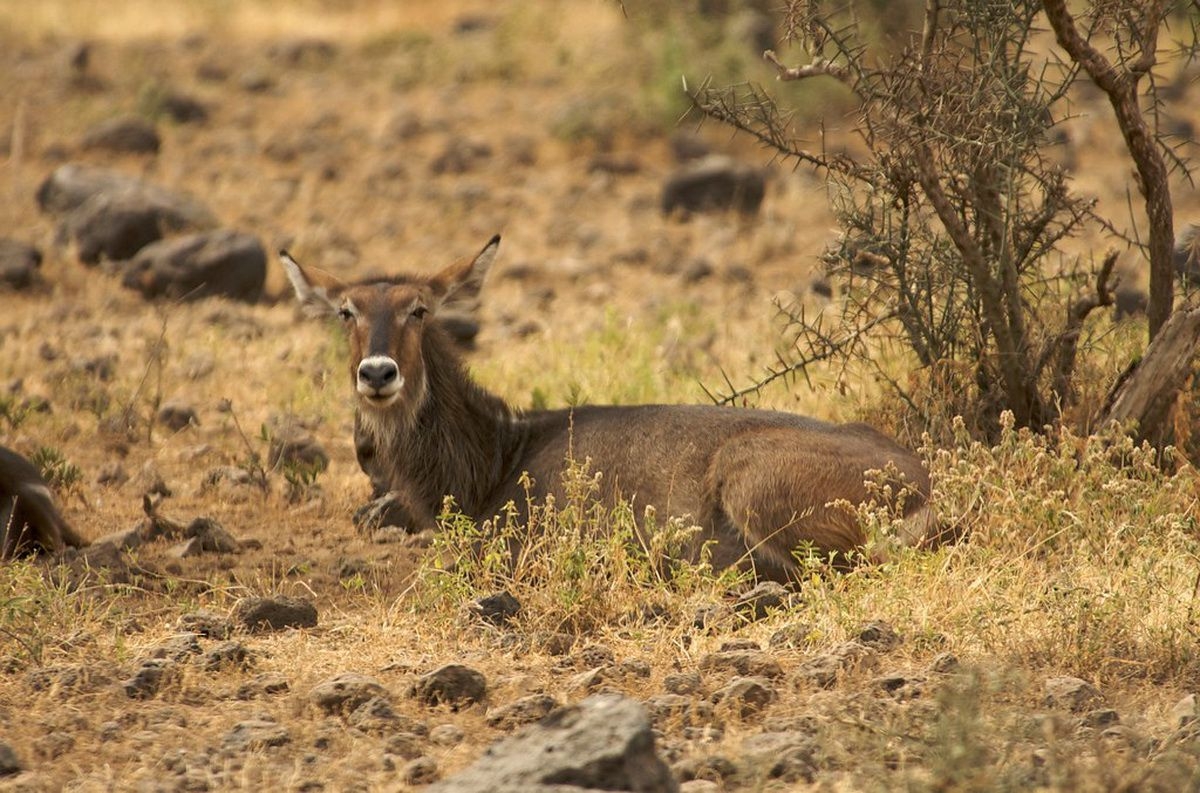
(390, 324)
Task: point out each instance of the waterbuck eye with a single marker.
(345, 314)
(419, 312)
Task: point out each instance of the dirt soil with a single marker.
(401, 141)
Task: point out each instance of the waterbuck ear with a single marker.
(314, 289)
(459, 284)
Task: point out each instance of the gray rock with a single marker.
(824, 670)
(767, 596)
(346, 692)
(682, 683)
(446, 735)
(19, 264)
(70, 186)
(745, 696)
(1185, 712)
(1187, 255)
(879, 636)
(255, 734)
(790, 637)
(498, 609)
(452, 684)
(604, 742)
(124, 134)
(226, 655)
(525, 710)
(594, 655)
(121, 540)
(714, 184)
(786, 756)
(177, 648)
(212, 536)
(147, 679)
(111, 214)
(677, 709)
(1129, 301)
(1070, 693)
(275, 613)
(53, 745)
(403, 744)
(741, 662)
(176, 415)
(222, 263)
(263, 685)
(292, 445)
(208, 624)
(420, 771)
(9, 764)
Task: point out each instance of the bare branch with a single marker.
(820, 67)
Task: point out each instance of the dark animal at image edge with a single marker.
(760, 483)
(29, 520)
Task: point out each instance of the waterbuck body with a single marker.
(759, 483)
(29, 520)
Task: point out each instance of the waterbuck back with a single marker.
(761, 485)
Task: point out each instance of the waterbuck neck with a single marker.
(459, 441)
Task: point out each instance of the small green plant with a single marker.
(13, 411)
(301, 479)
(57, 470)
(577, 562)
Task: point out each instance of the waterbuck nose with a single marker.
(378, 373)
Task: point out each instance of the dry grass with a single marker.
(1081, 556)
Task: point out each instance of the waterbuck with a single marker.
(759, 483)
(29, 520)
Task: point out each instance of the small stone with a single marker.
(255, 734)
(446, 735)
(264, 684)
(525, 710)
(1184, 712)
(377, 715)
(745, 696)
(1070, 693)
(227, 654)
(788, 757)
(682, 683)
(594, 655)
(945, 663)
(345, 692)
(677, 709)
(452, 684)
(1102, 717)
(208, 624)
(556, 644)
(276, 613)
(791, 637)
(176, 416)
(176, 648)
(741, 662)
(420, 771)
(759, 602)
(403, 744)
(126, 134)
(879, 636)
(148, 678)
(826, 669)
(53, 745)
(497, 609)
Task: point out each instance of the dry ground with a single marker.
(1074, 568)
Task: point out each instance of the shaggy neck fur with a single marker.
(457, 441)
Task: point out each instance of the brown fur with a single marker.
(29, 520)
(760, 483)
